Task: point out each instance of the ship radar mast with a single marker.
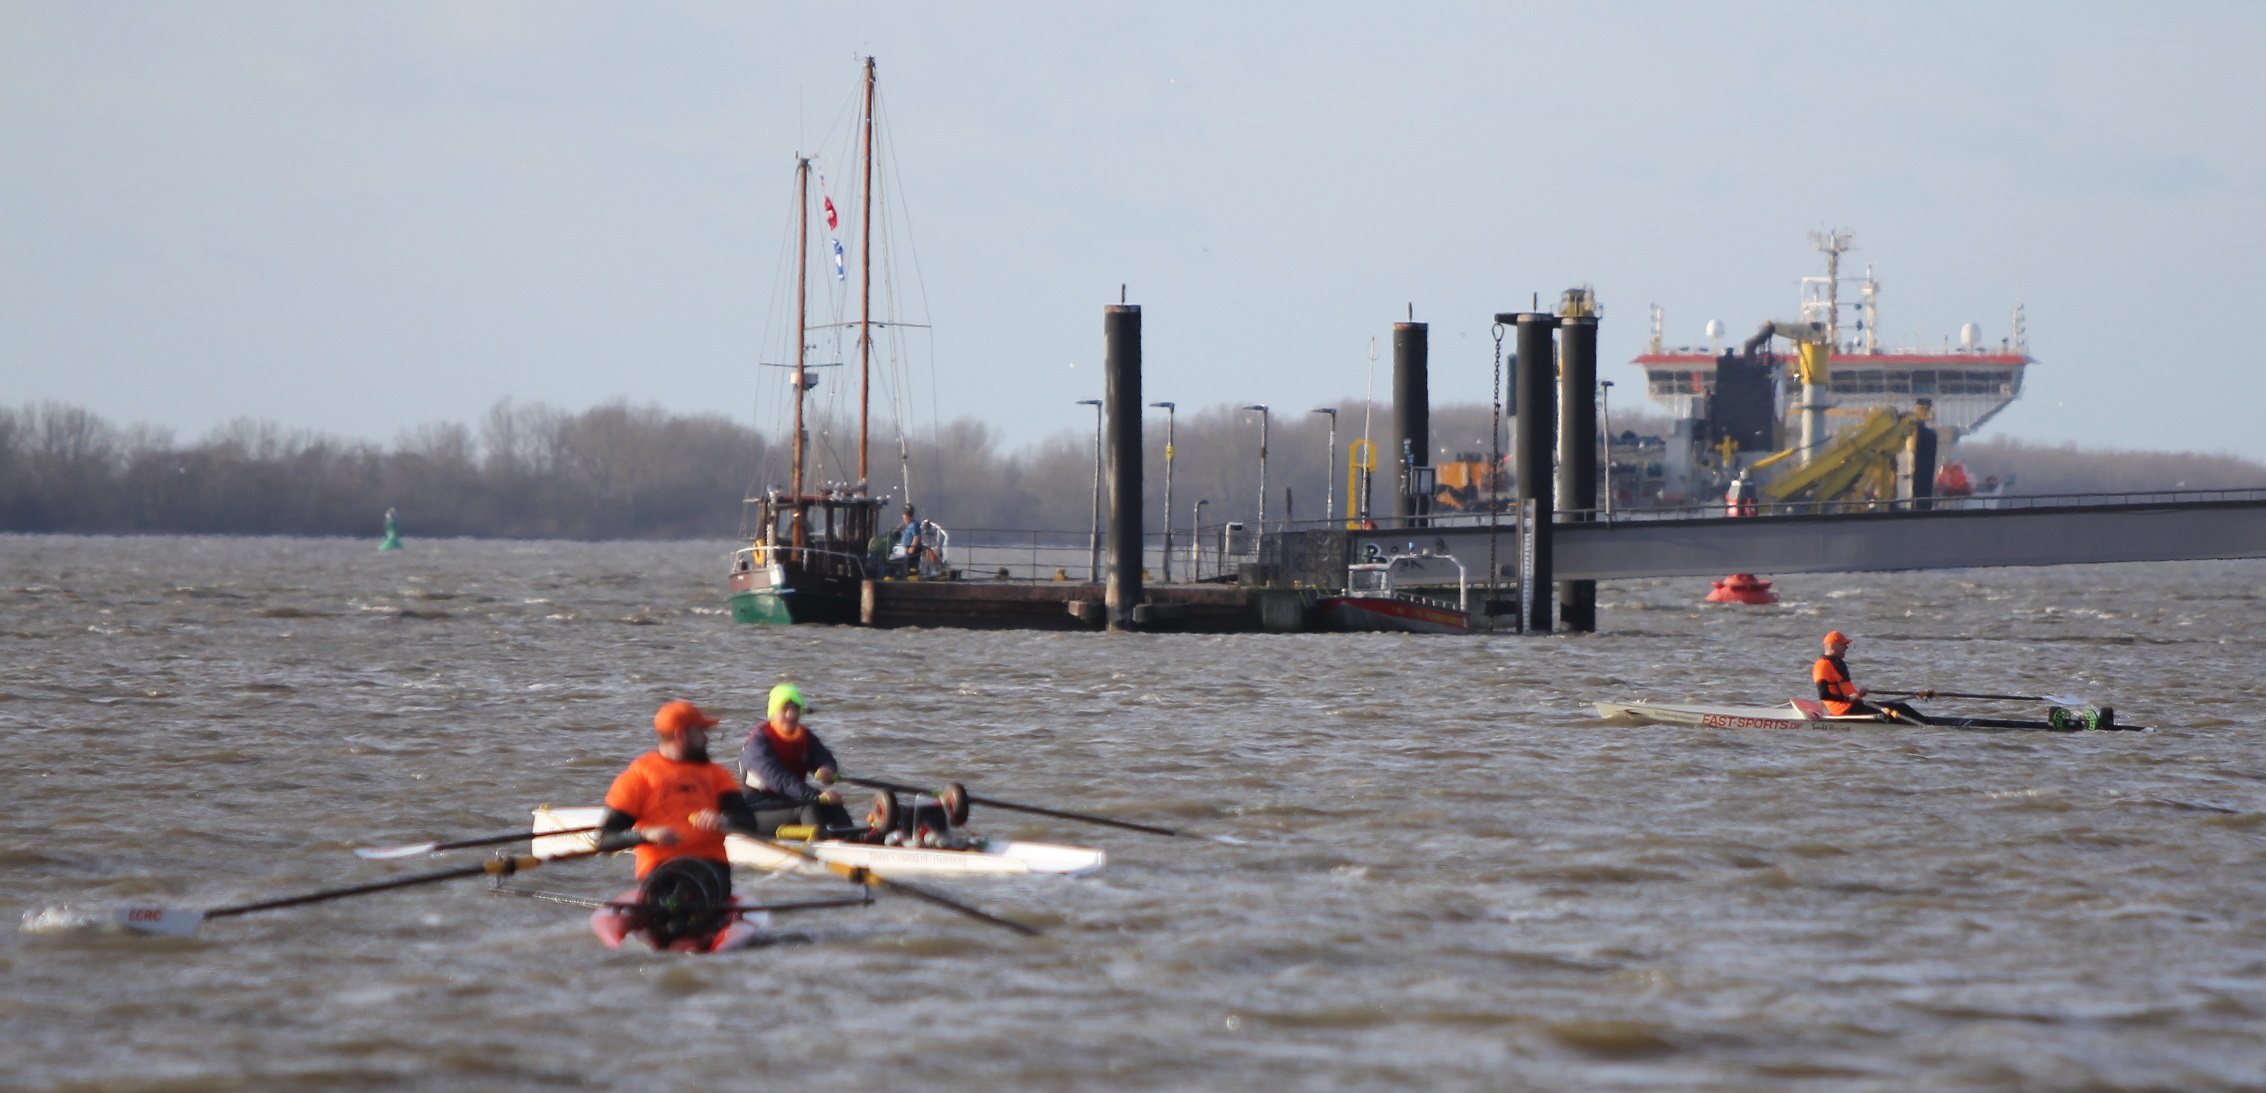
(1821, 296)
(1869, 325)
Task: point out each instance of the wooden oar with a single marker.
(182, 922)
(415, 850)
(1059, 814)
(858, 874)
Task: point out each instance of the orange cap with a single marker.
(1836, 637)
(675, 717)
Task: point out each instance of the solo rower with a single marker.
(1840, 693)
(673, 805)
(780, 760)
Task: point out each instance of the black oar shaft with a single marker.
(498, 867)
(971, 912)
(1965, 694)
(994, 802)
(858, 874)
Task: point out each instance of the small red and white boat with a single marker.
(1372, 603)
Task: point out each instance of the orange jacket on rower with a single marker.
(1836, 690)
(664, 789)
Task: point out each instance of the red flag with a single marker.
(831, 222)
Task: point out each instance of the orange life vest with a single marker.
(1835, 688)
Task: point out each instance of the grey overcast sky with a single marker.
(357, 217)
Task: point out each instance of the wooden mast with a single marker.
(802, 319)
(865, 285)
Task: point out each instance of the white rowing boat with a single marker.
(1794, 714)
(988, 857)
(1809, 713)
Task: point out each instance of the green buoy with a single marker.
(392, 541)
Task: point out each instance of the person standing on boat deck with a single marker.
(674, 804)
(909, 543)
(1840, 693)
(778, 763)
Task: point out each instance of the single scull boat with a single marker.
(1809, 713)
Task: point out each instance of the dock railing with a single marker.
(1312, 552)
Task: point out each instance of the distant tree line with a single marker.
(622, 471)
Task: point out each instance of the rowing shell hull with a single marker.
(1793, 715)
(990, 857)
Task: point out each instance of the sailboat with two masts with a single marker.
(807, 556)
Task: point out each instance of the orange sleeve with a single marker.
(1821, 671)
(630, 791)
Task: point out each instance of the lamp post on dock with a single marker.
(1605, 407)
(1262, 408)
(1166, 554)
(1196, 543)
(1094, 544)
(1330, 469)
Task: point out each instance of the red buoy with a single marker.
(1742, 588)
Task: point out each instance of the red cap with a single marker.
(676, 717)
(1834, 637)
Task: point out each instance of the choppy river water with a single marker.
(1456, 877)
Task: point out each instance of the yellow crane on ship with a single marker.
(1860, 464)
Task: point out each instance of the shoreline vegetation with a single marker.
(618, 471)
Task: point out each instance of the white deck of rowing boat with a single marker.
(1791, 715)
(991, 857)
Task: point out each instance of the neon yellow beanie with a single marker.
(780, 696)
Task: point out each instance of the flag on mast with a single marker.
(839, 273)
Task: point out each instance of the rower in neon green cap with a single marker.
(781, 695)
(779, 763)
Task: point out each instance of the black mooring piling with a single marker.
(1577, 454)
(1121, 413)
(1412, 417)
(1531, 460)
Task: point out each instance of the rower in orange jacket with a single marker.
(675, 804)
(1840, 693)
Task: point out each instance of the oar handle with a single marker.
(994, 802)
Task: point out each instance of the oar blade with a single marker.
(169, 921)
(389, 853)
(2068, 700)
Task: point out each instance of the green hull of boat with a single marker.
(769, 607)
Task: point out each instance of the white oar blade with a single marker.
(388, 853)
(171, 921)
(2068, 700)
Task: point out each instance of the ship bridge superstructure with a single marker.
(1967, 387)
(1967, 384)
